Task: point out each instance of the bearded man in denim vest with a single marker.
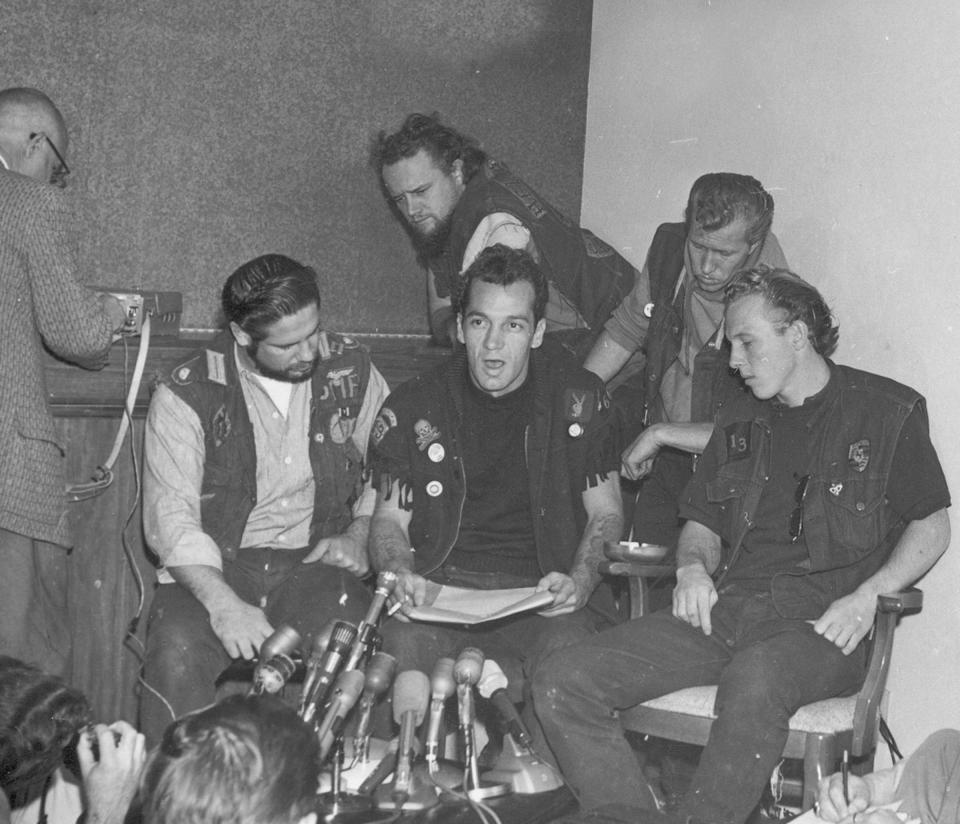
(253, 492)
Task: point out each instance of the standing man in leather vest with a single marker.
(818, 491)
(254, 500)
(674, 314)
(456, 201)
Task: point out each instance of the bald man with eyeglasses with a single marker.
(42, 305)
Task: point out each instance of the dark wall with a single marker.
(205, 132)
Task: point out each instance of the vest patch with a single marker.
(578, 404)
(596, 248)
(220, 426)
(426, 433)
(858, 454)
(216, 367)
(525, 196)
(341, 427)
(737, 436)
(342, 384)
(385, 421)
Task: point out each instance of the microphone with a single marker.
(312, 664)
(441, 688)
(518, 766)
(466, 673)
(345, 694)
(379, 676)
(367, 629)
(276, 664)
(327, 666)
(493, 686)
(411, 693)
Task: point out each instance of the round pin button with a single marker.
(436, 452)
(434, 488)
(575, 430)
(648, 310)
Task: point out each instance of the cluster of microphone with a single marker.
(346, 676)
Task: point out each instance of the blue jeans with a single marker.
(184, 656)
(766, 668)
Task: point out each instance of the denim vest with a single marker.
(850, 528)
(588, 272)
(210, 384)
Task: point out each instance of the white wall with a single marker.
(849, 112)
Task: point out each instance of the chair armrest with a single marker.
(866, 717)
(908, 600)
(636, 569)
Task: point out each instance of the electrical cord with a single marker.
(103, 476)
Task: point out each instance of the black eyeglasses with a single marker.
(59, 175)
(796, 517)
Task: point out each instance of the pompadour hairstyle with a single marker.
(719, 198)
(501, 265)
(267, 289)
(790, 294)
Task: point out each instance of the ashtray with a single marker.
(634, 551)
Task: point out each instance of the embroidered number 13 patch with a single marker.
(738, 439)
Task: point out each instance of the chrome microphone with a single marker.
(276, 664)
(345, 694)
(312, 665)
(367, 629)
(315, 696)
(466, 673)
(442, 686)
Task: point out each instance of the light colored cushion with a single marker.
(830, 715)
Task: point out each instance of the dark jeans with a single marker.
(766, 668)
(184, 656)
(518, 644)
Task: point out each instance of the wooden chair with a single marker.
(819, 732)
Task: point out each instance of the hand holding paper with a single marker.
(455, 605)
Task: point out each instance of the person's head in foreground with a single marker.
(245, 760)
(39, 717)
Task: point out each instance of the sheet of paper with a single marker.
(453, 605)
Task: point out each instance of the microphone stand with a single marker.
(337, 802)
(518, 765)
(467, 673)
(409, 791)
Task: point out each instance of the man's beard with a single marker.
(284, 375)
(430, 247)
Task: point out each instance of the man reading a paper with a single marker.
(497, 470)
